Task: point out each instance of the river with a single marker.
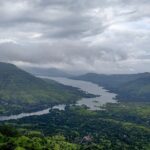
(92, 103)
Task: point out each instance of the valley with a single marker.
(93, 103)
(23, 92)
(128, 87)
(75, 113)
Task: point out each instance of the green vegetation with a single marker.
(138, 89)
(129, 87)
(22, 92)
(121, 126)
(117, 127)
(12, 139)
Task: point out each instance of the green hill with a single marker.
(111, 81)
(129, 87)
(20, 91)
(138, 90)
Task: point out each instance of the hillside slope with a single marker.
(129, 87)
(20, 91)
(138, 90)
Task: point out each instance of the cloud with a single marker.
(107, 36)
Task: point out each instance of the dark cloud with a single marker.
(100, 35)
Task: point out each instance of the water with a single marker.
(22, 115)
(92, 103)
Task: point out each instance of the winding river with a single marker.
(92, 103)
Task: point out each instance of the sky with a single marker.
(103, 36)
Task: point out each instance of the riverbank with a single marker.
(90, 101)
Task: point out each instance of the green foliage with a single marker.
(36, 143)
(22, 92)
(8, 130)
(117, 126)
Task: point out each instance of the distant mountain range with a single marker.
(52, 72)
(21, 91)
(129, 87)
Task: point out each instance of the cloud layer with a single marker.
(105, 36)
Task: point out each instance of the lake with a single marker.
(92, 103)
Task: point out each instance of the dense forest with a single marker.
(120, 126)
(114, 127)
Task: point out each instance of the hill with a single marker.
(138, 90)
(129, 87)
(21, 91)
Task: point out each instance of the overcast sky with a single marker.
(105, 36)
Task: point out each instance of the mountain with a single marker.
(138, 90)
(52, 72)
(129, 87)
(110, 81)
(21, 91)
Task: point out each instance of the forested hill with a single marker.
(129, 87)
(138, 90)
(21, 91)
